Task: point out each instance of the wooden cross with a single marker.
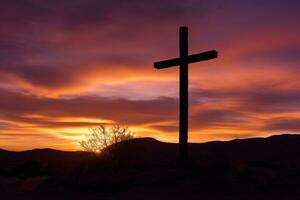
(183, 61)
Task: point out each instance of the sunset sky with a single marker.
(67, 66)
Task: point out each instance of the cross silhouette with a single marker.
(183, 61)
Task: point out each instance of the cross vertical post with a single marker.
(183, 94)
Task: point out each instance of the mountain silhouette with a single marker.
(260, 168)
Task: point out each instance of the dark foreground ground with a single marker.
(259, 168)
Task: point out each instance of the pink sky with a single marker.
(67, 66)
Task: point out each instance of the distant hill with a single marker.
(50, 161)
(238, 167)
(274, 147)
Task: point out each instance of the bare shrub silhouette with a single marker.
(102, 137)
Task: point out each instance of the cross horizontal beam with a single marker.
(191, 59)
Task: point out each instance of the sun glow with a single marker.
(97, 151)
